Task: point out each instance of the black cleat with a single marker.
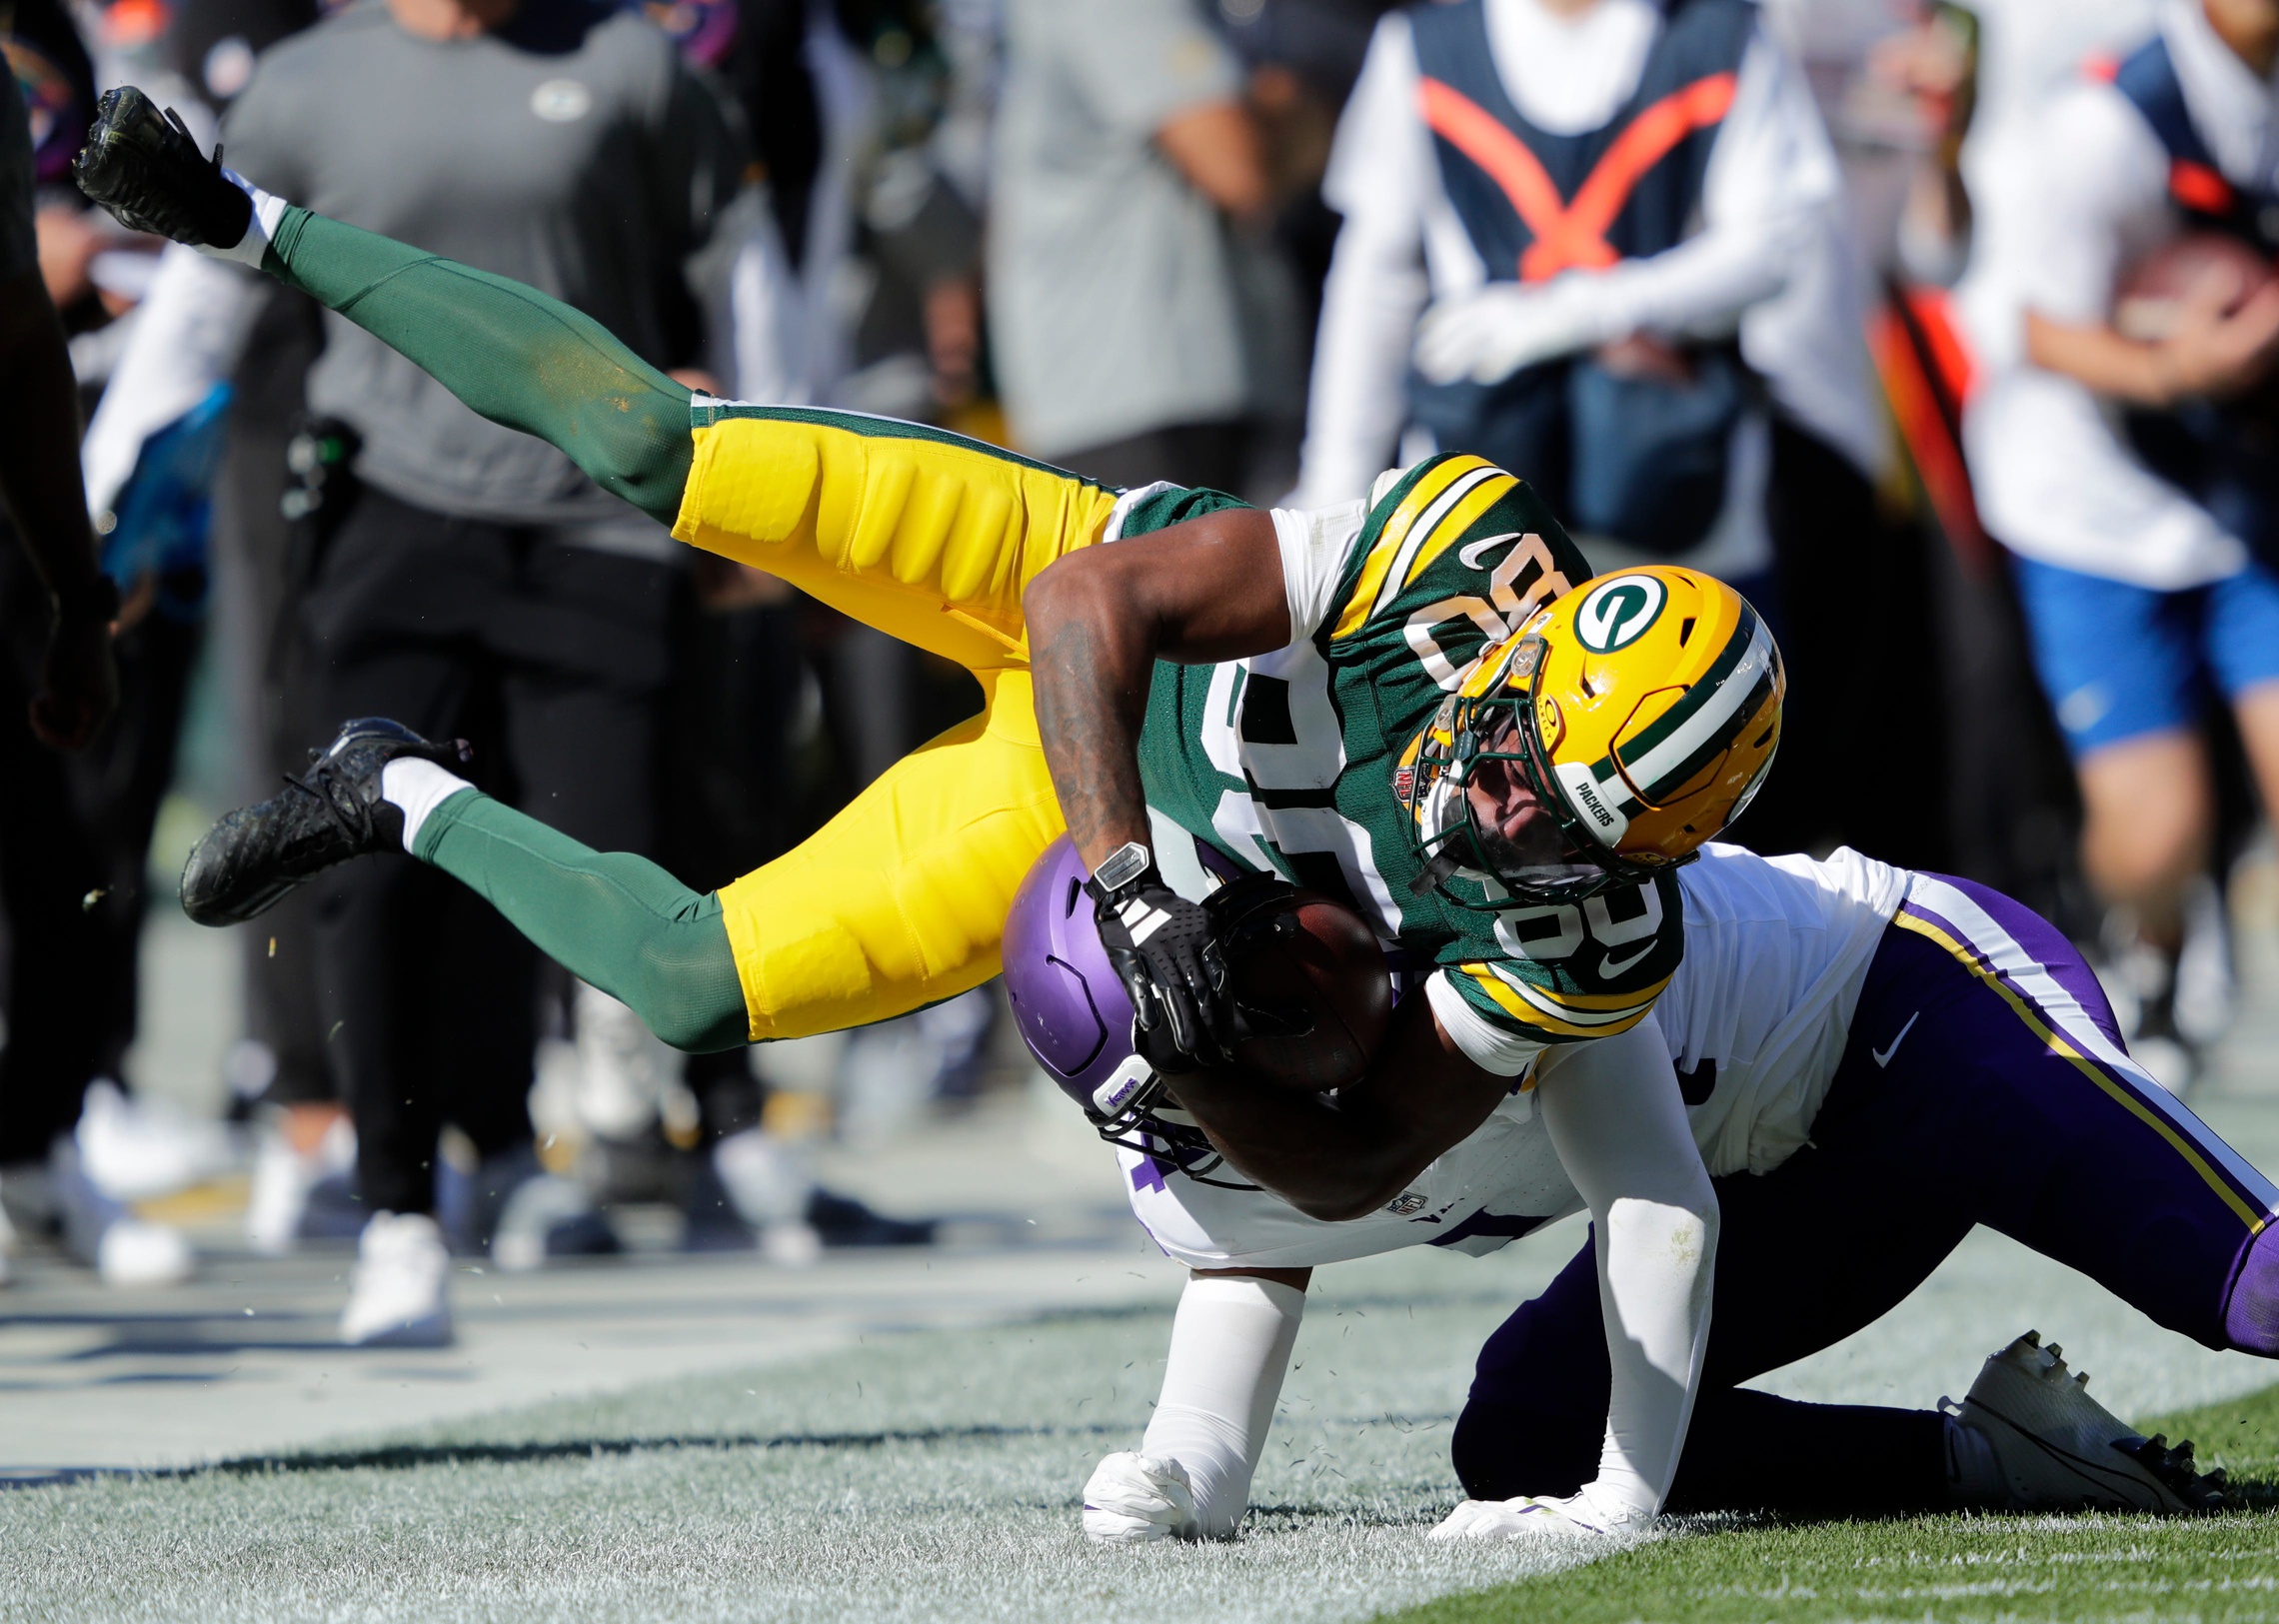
(143, 166)
(245, 863)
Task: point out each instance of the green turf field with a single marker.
(936, 1476)
(2007, 1569)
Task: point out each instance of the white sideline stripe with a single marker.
(2064, 1012)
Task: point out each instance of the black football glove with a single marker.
(1165, 951)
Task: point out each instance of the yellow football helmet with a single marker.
(1639, 711)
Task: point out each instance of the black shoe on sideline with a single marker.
(842, 1220)
(246, 863)
(143, 166)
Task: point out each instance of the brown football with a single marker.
(1305, 961)
(2199, 264)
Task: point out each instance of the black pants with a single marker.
(260, 562)
(1206, 454)
(1858, 634)
(551, 659)
(73, 835)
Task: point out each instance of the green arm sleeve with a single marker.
(507, 350)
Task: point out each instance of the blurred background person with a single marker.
(208, 350)
(2120, 445)
(73, 828)
(1601, 243)
(466, 575)
(1137, 319)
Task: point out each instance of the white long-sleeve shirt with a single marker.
(189, 332)
(2086, 198)
(1768, 209)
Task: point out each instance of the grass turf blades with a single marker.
(2078, 1569)
(935, 1476)
(919, 1477)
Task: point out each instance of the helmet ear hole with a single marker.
(1703, 780)
(1649, 711)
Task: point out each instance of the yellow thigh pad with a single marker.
(900, 901)
(929, 537)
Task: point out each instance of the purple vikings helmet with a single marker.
(1073, 1012)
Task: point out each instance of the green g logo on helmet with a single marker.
(1617, 612)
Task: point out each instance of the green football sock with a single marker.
(616, 921)
(510, 352)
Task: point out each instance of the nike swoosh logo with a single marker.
(1473, 555)
(1610, 966)
(1884, 1055)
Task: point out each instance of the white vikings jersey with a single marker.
(1756, 1018)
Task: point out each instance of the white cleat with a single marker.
(398, 1296)
(1132, 1499)
(1530, 1516)
(2059, 1449)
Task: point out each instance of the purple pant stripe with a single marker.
(2039, 968)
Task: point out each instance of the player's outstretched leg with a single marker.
(616, 921)
(926, 536)
(510, 352)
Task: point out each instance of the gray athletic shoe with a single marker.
(2061, 1450)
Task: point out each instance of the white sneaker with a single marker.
(98, 1230)
(398, 1296)
(2206, 993)
(765, 1178)
(530, 1215)
(134, 1253)
(2059, 1449)
(1535, 1516)
(137, 1149)
(2167, 1061)
(794, 1245)
(624, 1069)
(283, 1179)
(769, 1184)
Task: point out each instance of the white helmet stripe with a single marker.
(1660, 768)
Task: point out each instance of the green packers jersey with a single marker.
(1286, 761)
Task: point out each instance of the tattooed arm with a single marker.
(1199, 591)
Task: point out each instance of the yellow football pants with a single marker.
(900, 901)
